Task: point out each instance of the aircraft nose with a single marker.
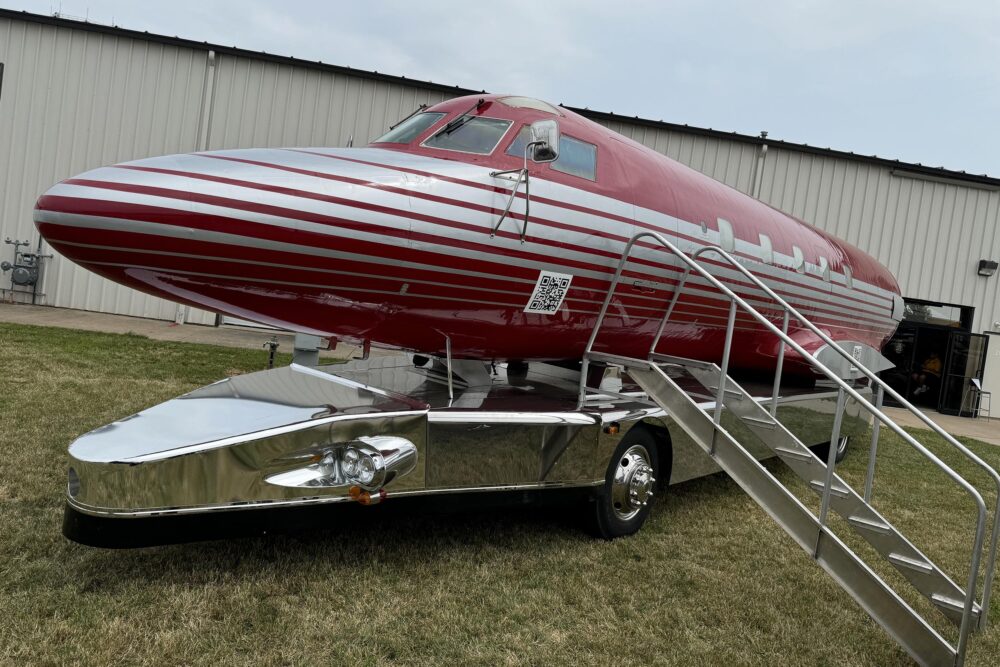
(238, 203)
(252, 214)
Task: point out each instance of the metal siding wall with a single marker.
(930, 234)
(75, 100)
(265, 104)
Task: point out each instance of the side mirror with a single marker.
(544, 142)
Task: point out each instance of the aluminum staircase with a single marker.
(702, 422)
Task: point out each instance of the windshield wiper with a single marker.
(415, 112)
(462, 119)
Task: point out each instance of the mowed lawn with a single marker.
(710, 580)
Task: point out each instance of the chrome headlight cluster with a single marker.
(361, 467)
(368, 462)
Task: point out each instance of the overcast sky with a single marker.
(917, 80)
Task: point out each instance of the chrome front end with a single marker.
(360, 431)
(367, 430)
(271, 438)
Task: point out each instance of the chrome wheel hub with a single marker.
(632, 486)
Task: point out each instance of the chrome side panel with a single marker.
(234, 475)
(480, 452)
(216, 447)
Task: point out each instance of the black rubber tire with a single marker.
(603, 521)
(823, 450)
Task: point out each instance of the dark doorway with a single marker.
(935, 355)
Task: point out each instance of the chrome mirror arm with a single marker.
(522, 176)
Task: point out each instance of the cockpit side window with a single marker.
(577, 158)
(517, 146)
(470, 134)
(409, 129)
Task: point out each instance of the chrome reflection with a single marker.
(368, 462)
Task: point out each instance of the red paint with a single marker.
(362, 245)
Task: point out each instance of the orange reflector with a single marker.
(364, 497)
(612, 428)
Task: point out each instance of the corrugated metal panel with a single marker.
(266, 104)
(75, 100)
(931, 234)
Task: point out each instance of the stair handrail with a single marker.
(735, 299)
(912, 409)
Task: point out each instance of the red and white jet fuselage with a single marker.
(392, 243)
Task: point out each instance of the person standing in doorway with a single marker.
(929, 373)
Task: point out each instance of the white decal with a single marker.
(550, 290)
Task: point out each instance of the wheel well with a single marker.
(664, 450)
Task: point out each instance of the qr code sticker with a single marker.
(550, 290)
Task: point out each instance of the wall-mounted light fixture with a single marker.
(987, 267)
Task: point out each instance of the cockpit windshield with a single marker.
(472, 134)
(409, 129)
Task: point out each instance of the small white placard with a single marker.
(550, 290)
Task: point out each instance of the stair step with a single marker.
(729, 392)
(901, 621)
(952, 604)
(912, 563)
(839, 491)
(762, 423)
(801, 455)
(869, 524)
(683, 361)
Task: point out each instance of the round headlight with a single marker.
(351, 459)
(366, 469)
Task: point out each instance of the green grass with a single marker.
(710, 579)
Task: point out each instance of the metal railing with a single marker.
(789, 314)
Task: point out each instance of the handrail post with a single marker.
(876, 426)
(447, 352)
(670, 309)
(727, 348)
(778, 369)
(612, 287)
(831, 457)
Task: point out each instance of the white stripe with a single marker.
(808, 294)
(802, 297)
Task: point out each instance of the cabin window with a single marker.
(766, 249)
(726, 238)
(576, 158)
(798, 259)
(848, 278)
(824, 269)
(470, 134)
(409, 129)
